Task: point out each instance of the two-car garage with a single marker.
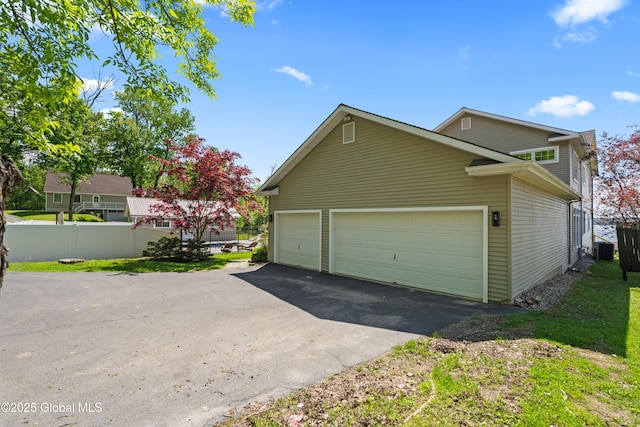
(436, 249)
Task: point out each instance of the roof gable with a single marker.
(584, 142)
(100, 183)
(556, 132)
(343, 111)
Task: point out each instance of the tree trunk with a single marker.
(10, 176)
(73, 194)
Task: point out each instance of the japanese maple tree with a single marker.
(619, 182)
(201, 188)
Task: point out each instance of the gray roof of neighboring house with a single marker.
(100, 183)
(141, 207)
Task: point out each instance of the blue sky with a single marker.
(571, 64)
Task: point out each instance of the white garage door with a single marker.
(297, 239)
(442, 251)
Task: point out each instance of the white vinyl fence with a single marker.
(30, 241)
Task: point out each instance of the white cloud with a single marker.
(464, 52)
(106, 112)
(631, 73)
(576, 12)
(92, 85)
(298, 75)
(583, 37)
(562, 106)
(268, 5)
(626, 96)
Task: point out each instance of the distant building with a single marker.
(102, 194)
(140, 209)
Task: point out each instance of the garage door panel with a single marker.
(298, 239)
(435, 250)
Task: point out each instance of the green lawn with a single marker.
(127, 265)
(51, 216)
(575, 364)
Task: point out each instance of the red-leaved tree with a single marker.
(618, 186)
(201, 188)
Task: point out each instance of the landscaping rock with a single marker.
(70, 260)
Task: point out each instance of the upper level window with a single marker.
(541, 155)
(575, 167)
(57, 198)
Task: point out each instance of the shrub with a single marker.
(259, 255)
(172, 249)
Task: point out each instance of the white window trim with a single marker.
(576, 167)
(57, 195)
(533, 152)
(349, 133)
(162, 222)
(93, 198)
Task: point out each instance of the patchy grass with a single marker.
(51, 216)
(575, 364)
(127, 265)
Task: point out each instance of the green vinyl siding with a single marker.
(388, 168)
(539, 236)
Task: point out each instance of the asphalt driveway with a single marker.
(97, 349)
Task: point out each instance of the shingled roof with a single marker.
(100, 183)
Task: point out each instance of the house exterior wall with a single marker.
(388, 168)
(509, 137)
(51, 206)
(539, 236)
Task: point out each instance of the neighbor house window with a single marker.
(96, 199)
(57, 198)
(76, 198)
(540, 155)
(162, 223)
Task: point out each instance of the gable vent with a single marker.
(465, 124)
(348, 132)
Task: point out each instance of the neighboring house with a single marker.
(139, 209)
(370, 197)
(101, 194)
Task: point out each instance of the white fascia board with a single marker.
(306, 147)
(529, 171)
(343, 110)
(271, 192)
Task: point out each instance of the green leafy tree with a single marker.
(29, 194)
(202, 188)
(79, 126)
(41, 43)
(141, 131)
(123, 151)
